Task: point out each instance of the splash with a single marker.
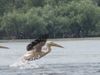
(24, 64)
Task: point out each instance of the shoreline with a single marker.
(57, 39)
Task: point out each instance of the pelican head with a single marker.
(54, 44)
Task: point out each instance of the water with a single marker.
(78, 57)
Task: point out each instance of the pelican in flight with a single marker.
(39, 48)
(4, 47)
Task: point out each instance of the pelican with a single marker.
(39, 48)
(4, 47)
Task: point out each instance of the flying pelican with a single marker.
(4, 47)
(39, 48)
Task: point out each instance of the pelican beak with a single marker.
(4, 47)
(56, 45)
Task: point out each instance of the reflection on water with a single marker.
(79, 57)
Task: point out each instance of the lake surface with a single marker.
(78, 57)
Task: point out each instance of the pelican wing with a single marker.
(33, 55)
(37, 43)
(4, 47)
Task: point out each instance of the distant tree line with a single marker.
(26, 19)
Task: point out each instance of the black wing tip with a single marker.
(42, 38)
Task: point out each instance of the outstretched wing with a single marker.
(37, 43)
(4, 47)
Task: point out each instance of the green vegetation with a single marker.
(26, 19)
